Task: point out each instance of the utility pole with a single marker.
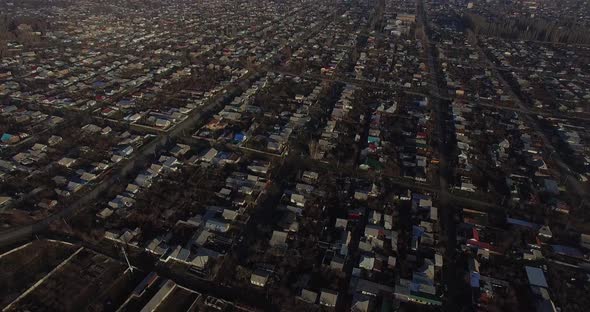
(581, 206)
(127, 259)
(66, 223)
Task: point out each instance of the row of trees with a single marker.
(528, 29)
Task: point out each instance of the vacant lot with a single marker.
(75, 285)
(25, 266)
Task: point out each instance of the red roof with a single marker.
(482, 245)
(475, 234)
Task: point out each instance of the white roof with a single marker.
(545, 231)
(210, 155)
(438, 260)
(105, 213)
(259, 277)
(433, 213)
(278, 238)
(328, 298)
(66, 162)
(202, 257)
(164, 291)
(367, 262)
(309, 296)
